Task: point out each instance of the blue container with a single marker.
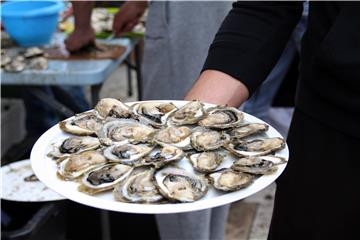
(31, 23)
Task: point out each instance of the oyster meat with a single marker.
(258, 165)
(176, 184)
(174, 136)
(206, 162)
(111, 107)
(138, 188)
(17, 64)
(229, 180)
(75, 165)
(126, 153)
(257, 147)
(221, 117)
(153, 113)
(73, 145)
(104, 177)
(203, 139)
(163, 156)
(87, 123)
(190, 113)
(248, 130)
(124, 131)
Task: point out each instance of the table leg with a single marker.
(95, 92)
(129, 77)
(138, 70)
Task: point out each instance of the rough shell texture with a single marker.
(222, 117)
(190, 113)
(111, 107)
(174, 136)
(87, 123)
(230, 180)
(206, 162)
(257, 147)
(126, 153)
(204, 140)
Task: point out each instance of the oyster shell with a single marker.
(176, 184)
(87, 123)
(163, 156)
(39, 63)
(74, 165)
(190, 113)
(203, 139)
(206, 162)
(174, 136)
(229, 180)
(248, 130)
(126, 153)
(72, 145)
(104, 177)
(125, 130)
(138, 188)
(257, 147)
(258, 165)
(17, 64)
(222, 117)
(153, 113)
(111, 107)
(5, 58)
(33, 52)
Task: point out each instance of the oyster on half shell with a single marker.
(248, 130)
(206, 162)
(256, 147)
(229, 180)
(176, 184)
(111, 107)
(104, 177)
(124, 131)
(203, 139)
(174, 136)
(258, 165)
(75, 165)
(153, 113)
(162, 156)
(138, 188)
(188, 114)
(127, 153)
(222, 117)
(87, 123)
(72, 145)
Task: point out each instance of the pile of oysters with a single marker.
(135, 151)
(30, 58)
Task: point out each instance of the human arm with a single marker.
(245, 49)
(128, 16)
(83, 34)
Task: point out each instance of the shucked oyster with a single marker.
(111, 107)
(73, 145)
(153, 113)
(176, 184)
(258, 165)
(203, 139)
(206, 162)
(87, 123)
(174, 136)
(230, 180)
(248, 130)
(138, 188)
(125, 130)
(33, 52)
(222, 117)
(126, 153)
(190, 113)
(257, 147)
(104, 177)
(163, 156)
(17, 64)
(75, 165)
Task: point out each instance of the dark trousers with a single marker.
(317, 196)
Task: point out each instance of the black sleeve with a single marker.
(251, 40)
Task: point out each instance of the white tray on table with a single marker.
(45, 169)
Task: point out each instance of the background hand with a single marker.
(79, 39)
(128, 16)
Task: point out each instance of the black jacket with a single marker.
(253, 35)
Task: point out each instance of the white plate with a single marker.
(15, 188)
(45, 169)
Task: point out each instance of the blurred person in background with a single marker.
(317, 195)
